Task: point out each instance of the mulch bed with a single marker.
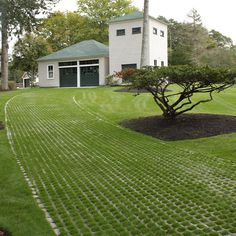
(187, 126)
(131, 90)
(1, 127)
(4, 232)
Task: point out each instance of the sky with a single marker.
(215, 14)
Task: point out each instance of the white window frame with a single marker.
(50, 71)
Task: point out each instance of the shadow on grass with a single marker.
(4, 232)
(187, 126)
(1, 127)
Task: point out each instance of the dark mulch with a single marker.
(131, 90)
(188, 126)
(4, 232)
(1, 127)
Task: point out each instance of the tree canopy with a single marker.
(173, 87)
(27, 51)
(18, 16)
(191, 43)
(101, 11)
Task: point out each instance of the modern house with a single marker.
(89, 62)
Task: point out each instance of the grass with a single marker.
(95, 177)
(18, 211)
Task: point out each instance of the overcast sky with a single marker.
(218, 15)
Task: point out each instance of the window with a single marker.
(129, 66)
(155, 62)
(120, 32)
(154, 30)
(68, 63)
(50, 72)
(162, 63)
(89, 62)
(136, 30)
(162, 33)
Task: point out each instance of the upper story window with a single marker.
(136, 30)
(162, 33)
(68, 63)
(50, 72)
(120, 32)
(89, 62)
(154, 30)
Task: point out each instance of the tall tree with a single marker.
(144, 52)
(27, 51)
(101, 11)
(64, 29)
(221, 40)
(18, 16)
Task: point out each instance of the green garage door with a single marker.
(68, 77)
(89, 76)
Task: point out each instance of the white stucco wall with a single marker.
(124, 49)
(43, 74)
(158, 45)
(103, 70)
(55, 82)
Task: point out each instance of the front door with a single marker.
(89, 76)
(68, 77)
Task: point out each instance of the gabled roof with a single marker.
(84, 49)
(133, 16)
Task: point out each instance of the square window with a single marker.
(120, 32)
(154, 30)
(136, 30)
(162, 33)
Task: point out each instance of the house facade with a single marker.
(80, 65)
(125, 42)
(88, 63)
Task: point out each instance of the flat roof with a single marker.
(133, 16)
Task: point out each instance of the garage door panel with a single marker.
(68, 77)
(89, 76)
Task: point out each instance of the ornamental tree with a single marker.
(173, 87)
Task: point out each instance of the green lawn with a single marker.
(97, 178)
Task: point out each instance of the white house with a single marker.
(125, 42)
(89, 62)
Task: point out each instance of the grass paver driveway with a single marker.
(97, 178)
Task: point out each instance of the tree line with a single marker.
(192, 44)
(188, 43)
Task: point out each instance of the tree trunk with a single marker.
(4, 56)
(144, 53)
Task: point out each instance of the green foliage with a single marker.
(101, 11)
(190, 43)
(18, 16)
(220, 40)
(189, 80)
(26, 51)
(64, 29)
